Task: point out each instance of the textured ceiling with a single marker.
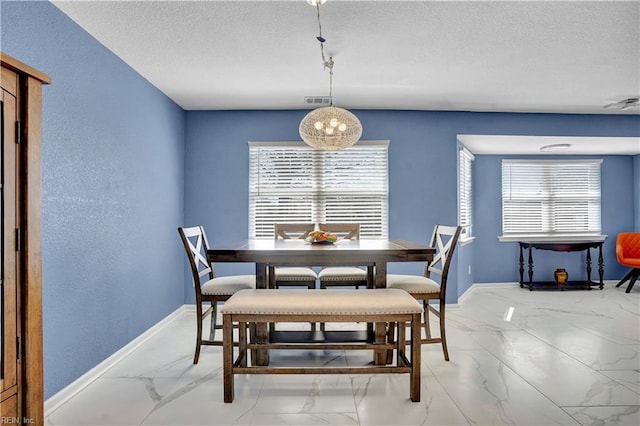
(520, 56)
(505, 56)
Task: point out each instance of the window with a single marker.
(291, 182)
(465, 193)
(551, 197)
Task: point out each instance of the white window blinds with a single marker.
(551, 197)
(465, 193)
(291, 182)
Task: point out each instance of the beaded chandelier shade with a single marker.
(329, 128)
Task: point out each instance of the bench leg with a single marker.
(414, 382)
(391, 331)
(401, 347)
(380, 356)
(252, 339)
(227, 357)
(402, 339)
(242, 343)
(262, 336)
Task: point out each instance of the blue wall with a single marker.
(422, 178)
(217, 160)
(112, 173)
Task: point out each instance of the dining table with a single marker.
(374, 254)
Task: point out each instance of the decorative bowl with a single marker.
(321, 237)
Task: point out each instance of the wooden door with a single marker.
(10, 369)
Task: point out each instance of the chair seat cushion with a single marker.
(630, 262)
(413, 283)
(342, 273)
(295, 274)
(226, 286)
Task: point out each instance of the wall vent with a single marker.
(317, 100)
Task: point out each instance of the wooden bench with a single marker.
(339, 306)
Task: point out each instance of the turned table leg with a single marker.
(530, 269)
(600, 266)
(521, 264)
(589, 268)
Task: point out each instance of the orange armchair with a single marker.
(628, 254)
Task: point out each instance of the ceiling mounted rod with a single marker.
(329, 128)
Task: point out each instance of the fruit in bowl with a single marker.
(322, 237)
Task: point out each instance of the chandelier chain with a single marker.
(327, 64)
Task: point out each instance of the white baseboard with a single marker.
(476, 287)
(55, 401)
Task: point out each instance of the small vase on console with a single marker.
(561, 277)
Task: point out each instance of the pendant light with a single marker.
(329, 128)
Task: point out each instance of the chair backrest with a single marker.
(346, 231)
(628, 246)
(444, 239)
(288, 231)
(195, 243)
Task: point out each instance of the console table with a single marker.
(565, 247)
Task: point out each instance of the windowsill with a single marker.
(466, 240)
(550, 238)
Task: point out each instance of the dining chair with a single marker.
(425, 288)
(208, 288)
(343, 276)
(628, 254)
(292, 276)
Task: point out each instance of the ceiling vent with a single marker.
(317, 101)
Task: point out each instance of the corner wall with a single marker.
(112, 176)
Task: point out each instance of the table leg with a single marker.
(530, 269)
(380, 356)
(370, 277)
(261, 356)
(521, 264)
(262, 275)
(588, 268)
(380, 279)
(600, 266)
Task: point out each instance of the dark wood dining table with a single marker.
(375, 254)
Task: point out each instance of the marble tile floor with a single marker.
(566, 358)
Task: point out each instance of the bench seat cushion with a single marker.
(326, 302)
